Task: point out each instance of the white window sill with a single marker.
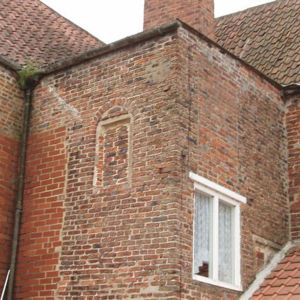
(218, 283)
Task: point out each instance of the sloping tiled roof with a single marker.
(32, 32)
(267, 37)
(284, 281)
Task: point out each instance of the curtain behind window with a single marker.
(225, 242)
(203, 235)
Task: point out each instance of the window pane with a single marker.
(203, 235)
(226, 242)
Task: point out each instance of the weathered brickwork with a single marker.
(293, 134)
(197, 13)
(117, 236)
(108, 205)
(232, 132)
(11, 105)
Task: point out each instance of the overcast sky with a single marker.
(111, 20)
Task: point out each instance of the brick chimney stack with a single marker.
(199, 14)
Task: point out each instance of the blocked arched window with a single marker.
(113, 150)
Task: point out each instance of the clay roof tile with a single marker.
(284, 281)
(271, 32)
(32, 32)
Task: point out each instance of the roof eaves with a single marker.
(143, 36)
(115, 46)
(10, 65)
(291, 89)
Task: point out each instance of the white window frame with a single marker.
(220, 193)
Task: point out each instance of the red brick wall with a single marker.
(293, 134)
(234, 122)
(11, 105)
(196, 13)
(44, 195)
(40, 242)
(115, 238)
(153, 112)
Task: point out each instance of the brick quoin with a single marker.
(197, 13)
(154, 111)
(11, 106)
